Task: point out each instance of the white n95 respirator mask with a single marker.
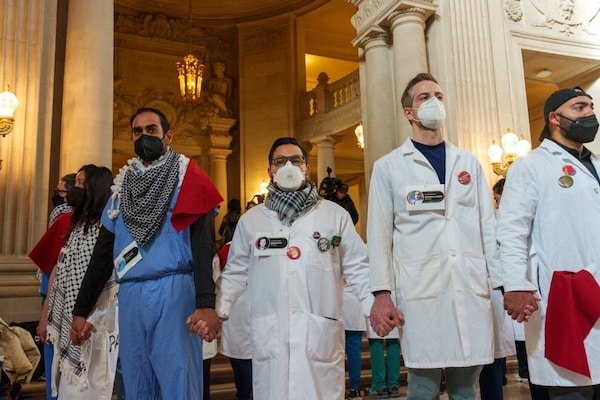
(431, 113)
(289, 177)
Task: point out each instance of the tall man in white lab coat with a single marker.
(295, 283)
(431, 235)
(551, 202)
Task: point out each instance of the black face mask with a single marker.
(148, 148)
(581, 130)
(57, 200)
(76, 196)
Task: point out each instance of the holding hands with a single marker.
(520, 305)
(384, 314)
(205, 323)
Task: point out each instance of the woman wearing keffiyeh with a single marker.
(295, 283)
(81, 371)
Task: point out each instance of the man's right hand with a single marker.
(384, 315)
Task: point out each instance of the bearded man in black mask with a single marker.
(548, 230)
(157, 237)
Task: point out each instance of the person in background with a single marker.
(157, 237)
(81, 371)
(549, 249)
(341, 197)
(295, 286)
(234, 210)
(493, 376)
(235, 338)
(385, 363)
(438, 249)
(355, 325)
(45, 255)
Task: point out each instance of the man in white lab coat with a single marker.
(551, 202)
(295, 283)
(435, 251)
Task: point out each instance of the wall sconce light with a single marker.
(8, 105)
(360, 136)
(190, 73)
(513, 147)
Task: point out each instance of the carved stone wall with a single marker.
(147, 47)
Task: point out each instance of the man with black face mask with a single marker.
(157, 236)
(551, 202)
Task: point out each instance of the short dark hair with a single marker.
(69, 180)
(498, 187)
(407, 95)
(164, 123)
(286, 140)
(234, 205)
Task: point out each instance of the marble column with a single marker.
(325, 157)
(220, 140)
(378, 94)
(88, 90)
(410, 56)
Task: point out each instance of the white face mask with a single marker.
(431, 113)
(289, 177)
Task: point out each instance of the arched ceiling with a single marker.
(230, 11)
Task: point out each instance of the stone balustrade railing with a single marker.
(330, 96)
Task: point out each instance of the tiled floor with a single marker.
(515, 389)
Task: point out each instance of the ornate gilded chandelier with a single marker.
(190, 72)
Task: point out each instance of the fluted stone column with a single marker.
(378, 96)
(220, 140)
(88, 90)
(410, 56)
(325, 156)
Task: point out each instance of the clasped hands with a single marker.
(384, 315)
(205, 323)
(520, 305)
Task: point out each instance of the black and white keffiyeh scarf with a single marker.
(290, 205)
(71, 267)
(146, 194)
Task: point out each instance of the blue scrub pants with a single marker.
(159, 358)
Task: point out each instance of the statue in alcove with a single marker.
(219, 91)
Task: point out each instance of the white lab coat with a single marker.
(563, 224)
(438, 257)
(296, 305)
(354, 318)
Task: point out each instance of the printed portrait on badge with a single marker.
(262, 243)
(414, 197)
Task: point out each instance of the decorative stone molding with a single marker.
(371, 12)
(375, 33)
(513, 10)
(567, 16)
(266, 39)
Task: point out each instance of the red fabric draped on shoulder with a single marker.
(46, 251)
(197, 196)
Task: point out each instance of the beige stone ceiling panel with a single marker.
(223, 10)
